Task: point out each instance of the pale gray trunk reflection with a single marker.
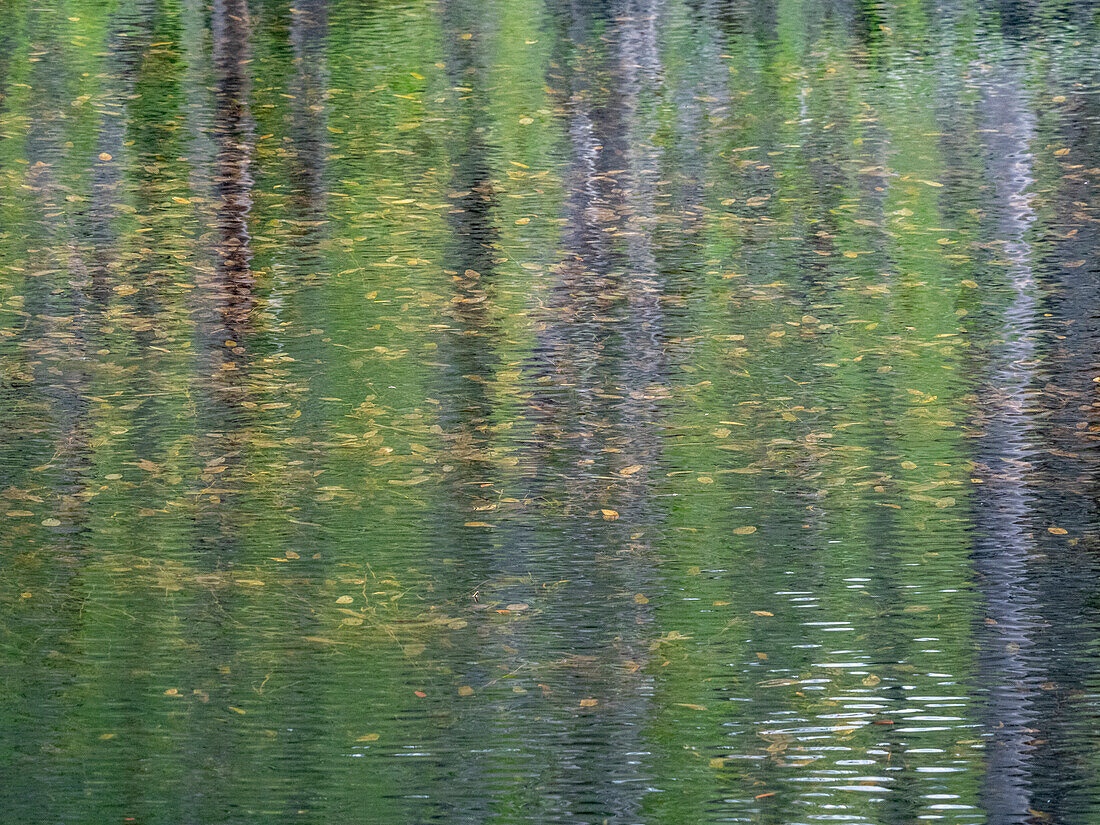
(596, 406)
(1008, 666)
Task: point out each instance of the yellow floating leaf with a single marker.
(589, 703)
(744, 531)
(609, 515)
(465, 690)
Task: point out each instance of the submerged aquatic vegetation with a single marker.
(542, 411)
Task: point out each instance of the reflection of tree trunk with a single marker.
(225, 304)
(1068, 495)
(1008, 666)
(601, 364)
(469, 347)
(309, 39)
(194, 86)
(127, 43)
(232, 179)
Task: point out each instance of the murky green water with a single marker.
(500, 411)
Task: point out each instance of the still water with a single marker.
(549, 411)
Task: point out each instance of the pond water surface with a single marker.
(549, 411)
